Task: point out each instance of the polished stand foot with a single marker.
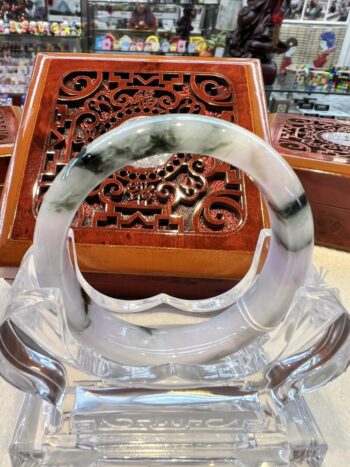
(206, 427)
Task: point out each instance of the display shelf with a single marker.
(108, 23)
(36, 37)
(338, 105)
(140, 31)
(17, 57)
(183, 54)
(305, 90)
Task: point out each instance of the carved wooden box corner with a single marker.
(318, 150)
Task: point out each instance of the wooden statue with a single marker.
(257, 34)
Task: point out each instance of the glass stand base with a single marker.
(206, 427)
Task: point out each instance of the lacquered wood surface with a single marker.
(9, 120)
(229, 89)
(332, 226)
(323, 168)
(300, 140)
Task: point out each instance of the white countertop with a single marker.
(330, 405)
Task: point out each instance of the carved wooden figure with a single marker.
(257, 34)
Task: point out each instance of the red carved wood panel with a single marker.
(319, 139)
(184, 201)
(185, 194)
(9, 118)
(318, 149)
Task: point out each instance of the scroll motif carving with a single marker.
(182, 193)
(307, 135)
(4, 132)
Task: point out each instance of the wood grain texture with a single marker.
(300, 140)
(323, 168)
(332, 226)
(9, 121)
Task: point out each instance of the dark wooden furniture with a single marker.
(189, 217)
(319, 151)
(9, 119)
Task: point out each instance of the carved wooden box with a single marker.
(319, 151)
(132, 223)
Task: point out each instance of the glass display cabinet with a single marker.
(30, 27)
(127, 27)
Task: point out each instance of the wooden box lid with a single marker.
(311, 142)
(123, 226)
(318, 149)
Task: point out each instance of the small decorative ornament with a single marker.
(125, 42)
(181, 46)
(140, 45)
(327, 46)
(116, 44)
(196, 40)
(55, 29)
(191, 48)
(132, 46)
(33, 27)
(173, 46)
(165, 46)
(152, 44)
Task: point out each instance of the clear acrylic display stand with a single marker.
(164, 381)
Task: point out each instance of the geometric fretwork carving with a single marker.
(183, 193)
(4, 132)
(307, 136)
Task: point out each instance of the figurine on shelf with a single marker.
(140, 44)
(16, 10)
(327, 46)
(173, 44)
(41, 29)
(65, 29)
(165, 46)
(292, 44)
(142, 18)
(108, 42)
(197, 43)
(343, 12)
(46, 28)
(76, 28)
(314, 10)
(125, 42)
(152, 44)
(257, 34)
(184, 25)
(55, 29)
(33, 27)
(182, 46)
(24, 27)
(13, 27)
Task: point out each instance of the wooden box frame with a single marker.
(221, 257)
(322, 167)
